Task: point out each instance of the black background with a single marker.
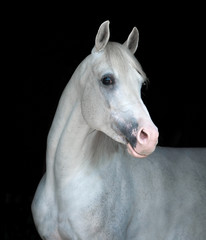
(171, 51)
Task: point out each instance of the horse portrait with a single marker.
(106, 177)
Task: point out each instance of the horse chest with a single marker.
(97, 205)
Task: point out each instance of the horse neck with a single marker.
(70, 149)
(71, 143)
(67, 114)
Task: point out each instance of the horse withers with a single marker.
(104, 179)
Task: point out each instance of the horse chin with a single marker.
(121, 139)
(118, 138)
(135, 154)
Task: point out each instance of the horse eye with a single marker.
(107, 80)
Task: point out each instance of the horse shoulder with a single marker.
(44, 210)
(97, 200)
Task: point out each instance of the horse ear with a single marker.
(102, 37)
(132, 40)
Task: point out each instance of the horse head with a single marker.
(111, 98)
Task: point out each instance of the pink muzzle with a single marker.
(146, 141)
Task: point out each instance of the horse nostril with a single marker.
(143, 136)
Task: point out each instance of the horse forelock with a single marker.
(121, 59)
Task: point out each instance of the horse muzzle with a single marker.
(142, 142)
(141, 137)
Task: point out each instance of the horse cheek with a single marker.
(92, 109)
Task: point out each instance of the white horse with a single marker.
(100, 182)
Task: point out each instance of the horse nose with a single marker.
(143, 141)
(147, 139)
(145, 135)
